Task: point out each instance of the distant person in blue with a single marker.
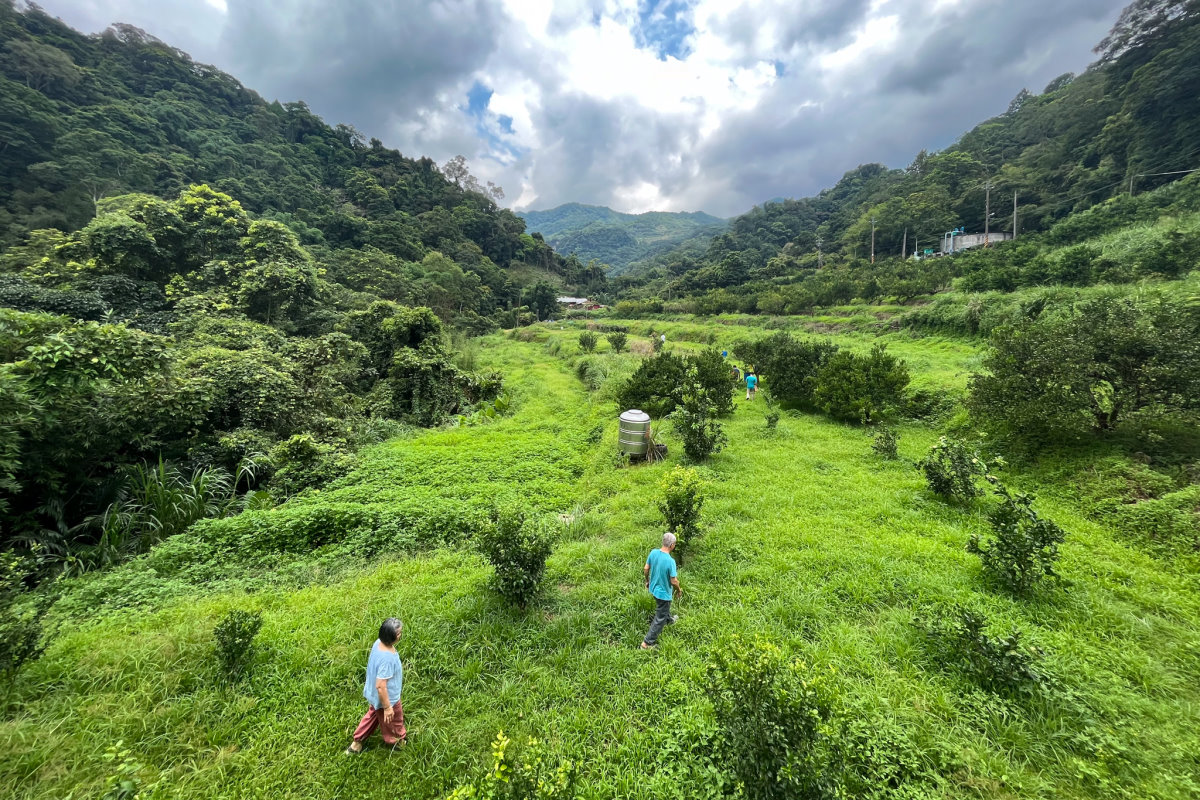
(751, 384)
(385, 677)
(663, 582)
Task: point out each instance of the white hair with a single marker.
(668, 539)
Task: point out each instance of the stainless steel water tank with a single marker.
(631, 436)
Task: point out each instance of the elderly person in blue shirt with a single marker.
(385, 677)
(662, 579)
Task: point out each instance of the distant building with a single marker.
(573, 302)
(965, 241)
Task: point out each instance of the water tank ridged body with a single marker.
(631, 436)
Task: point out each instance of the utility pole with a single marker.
(904, 245)
(987, 210)
(820, 255)
(1014, 213)
(872, 240)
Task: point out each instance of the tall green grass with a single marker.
(812, 541)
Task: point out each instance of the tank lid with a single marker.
(635, 415)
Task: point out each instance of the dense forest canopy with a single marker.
(616, 239)
(226, 287)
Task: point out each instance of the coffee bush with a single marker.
(885, 443)
(517, 548)
(1024, 546)
(771, 709)
(682, 499)
(695, 421)
(951, 468)
(1003, 665)
(235, 643)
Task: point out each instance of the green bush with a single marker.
(617, 340)
(958, 636)
(788, 363)
(517, 548)
(695, 421)
(771, 414)
(527, 778)
(951, 467)
(712, 372)
(656, 386)
(885, 443)
(681, 502)
(125, 781)
(235, 643)
(771, 709)
(587, 341)
(1089, 367)
(1024, 546)
(302, 463)
(20, 618)
(860, 388)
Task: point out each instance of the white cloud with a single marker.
(713, 104)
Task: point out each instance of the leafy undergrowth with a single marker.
(812, 542)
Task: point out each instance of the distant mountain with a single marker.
(618, 239)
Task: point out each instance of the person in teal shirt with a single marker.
(751, 384)
(662, 579)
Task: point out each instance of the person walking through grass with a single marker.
(385, 678)
(663, 582)
(751, 384)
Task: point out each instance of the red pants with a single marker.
(374, 718)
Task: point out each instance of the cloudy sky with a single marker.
(678, 105)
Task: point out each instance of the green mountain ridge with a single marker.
(617, 238)
(1128, 124)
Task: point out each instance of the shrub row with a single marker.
(425, 522)
(816, 375)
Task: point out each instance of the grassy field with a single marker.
(812, 542)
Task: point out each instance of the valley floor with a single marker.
(813, 542)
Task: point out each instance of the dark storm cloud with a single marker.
(359, 61)
(964, 68)
(997, 37)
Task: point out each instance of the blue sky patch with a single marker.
(478, 97)
(663, 26)
(491, 127)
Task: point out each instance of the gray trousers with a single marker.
(662, 618)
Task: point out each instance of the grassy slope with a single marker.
(813, 542)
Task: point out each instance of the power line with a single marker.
(1177, 172)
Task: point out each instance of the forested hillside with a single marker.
(616, 239)
(1128, 124)
(217, 298)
